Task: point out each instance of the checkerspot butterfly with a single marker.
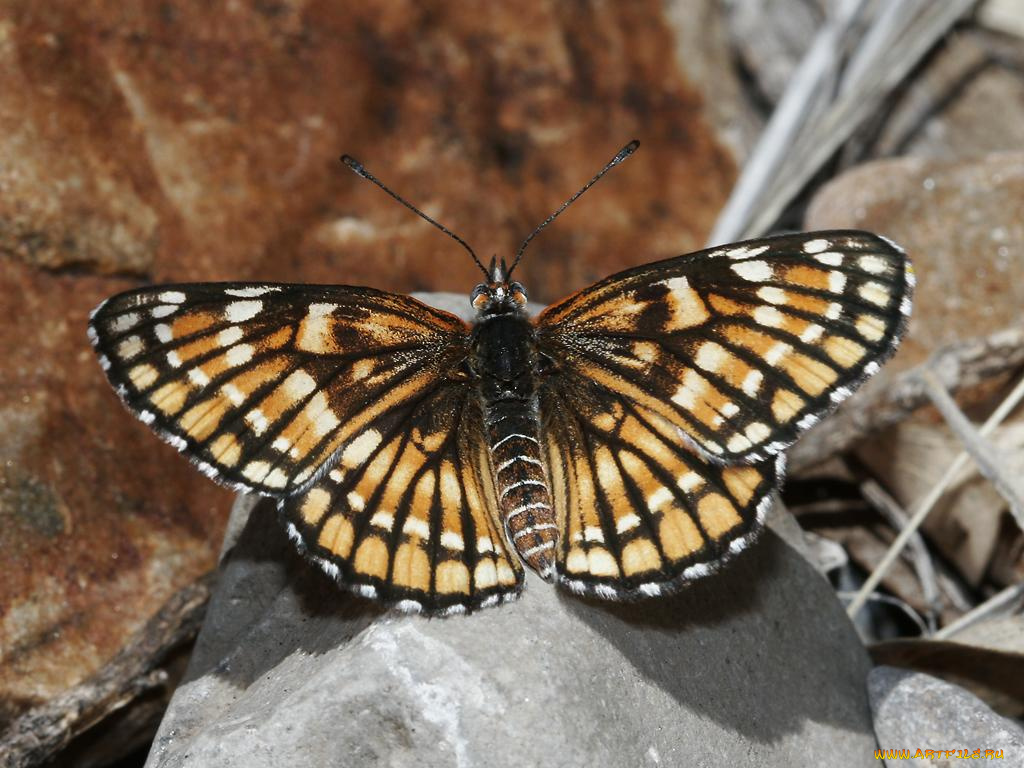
(623, 442)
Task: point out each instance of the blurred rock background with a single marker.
(170, 141)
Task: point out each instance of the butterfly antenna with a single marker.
(623, 153)
(359, 170)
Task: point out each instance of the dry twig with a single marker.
(926, 505)
(920, 557)
(803, 133)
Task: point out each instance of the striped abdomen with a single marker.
(524, 500)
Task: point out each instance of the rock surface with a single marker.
(757, 666)
(915, 711)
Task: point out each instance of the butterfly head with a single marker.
(498, 295)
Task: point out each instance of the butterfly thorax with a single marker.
(504, 361)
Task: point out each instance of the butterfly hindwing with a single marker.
(742, 346)
(262, 385)
(408, 514)
(640, 512)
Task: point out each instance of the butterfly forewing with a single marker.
(744, 346)
(264, 385)
(640, 512)
(408, 513)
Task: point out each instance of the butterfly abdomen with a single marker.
(504, 361)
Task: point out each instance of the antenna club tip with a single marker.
(354, 164)
(627, 150)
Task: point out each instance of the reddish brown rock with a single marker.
(99, 523)
(201, 142)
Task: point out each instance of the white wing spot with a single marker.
(816, 246)
(229, 336)
(233, 393)
(746, 251)
(256, 470)
(839, 394)
(811, 333)
(830, 258)
(252, 292)
(755, 271)
(172, 297)
(836, 281)
(197, 377)
(361, 448)
(769, 316)
(163, 310)
(257, 421)
(807, 421)
(870, 327)
(383, 520)
(130, 347)
(298, 384)
(239, 311)
(628, 522)
(757, 432)
(452, 540)
(874, 292)
(690, 481)
(326, 422)
(163, 333)
(655, 501)
(416, 526)
(124, 322)
(692, 388)
(239, 355)
(778, 351)
(772, 294)
(276, 478)
(738, 443)
(752, 382)
(873, 264)
(711, 356)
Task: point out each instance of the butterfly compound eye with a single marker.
(480, 297)
(518, 294)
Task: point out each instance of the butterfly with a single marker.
(622, 443)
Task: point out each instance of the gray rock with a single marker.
(756, 666)
(914, 711)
